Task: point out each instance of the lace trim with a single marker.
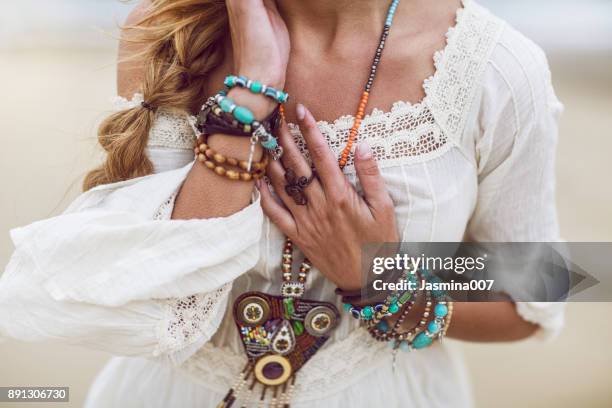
(451, 90)
(121, 103)
(164, 212)
(406, 134)
(188, 320)
(172, 127)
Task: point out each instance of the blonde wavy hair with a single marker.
(183, 43)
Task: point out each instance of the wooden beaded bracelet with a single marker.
(216, 162)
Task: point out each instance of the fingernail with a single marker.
(300, 111)
(364, 151)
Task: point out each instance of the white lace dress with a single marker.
(474, 160)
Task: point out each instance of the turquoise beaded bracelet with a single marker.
(392, 305)
(246, 117)
(240, 113)
(256, 87)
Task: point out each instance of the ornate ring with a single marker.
(295, 186)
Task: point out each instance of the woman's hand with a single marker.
(260, 41)
(336, 222)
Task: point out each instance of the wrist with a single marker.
(266, 78)
(232, 146)
(260, 105)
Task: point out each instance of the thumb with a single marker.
(374, 189)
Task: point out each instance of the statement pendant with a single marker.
(279, 335)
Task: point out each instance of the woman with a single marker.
(456, 138)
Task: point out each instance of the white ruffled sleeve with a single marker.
(515, 152)
(114, 273)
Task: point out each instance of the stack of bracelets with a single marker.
(398, 304)
(221, 115)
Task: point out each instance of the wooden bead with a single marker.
(220, 170)
(245, 176)
(219, 158)
(232, 161)
(244, 165)
(232, 174)
(201, 157)
(210, 164)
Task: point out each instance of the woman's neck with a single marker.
(324, 23)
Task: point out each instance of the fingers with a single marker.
(278, 214)
(374, 189)
(293, 159)
(323, 158)
(276, 174)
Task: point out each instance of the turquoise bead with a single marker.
(226, 104)
(433, 327)
(229, 81)
(256, 86)
(440, 310)
(437, 293)
(270, 144)
(393, 308)
(367, 311)
(347, 307)
(421, 341)
(243, 115)
(383, 326)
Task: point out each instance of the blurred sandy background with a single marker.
(56, 79)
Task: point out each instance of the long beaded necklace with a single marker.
(280, 334)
